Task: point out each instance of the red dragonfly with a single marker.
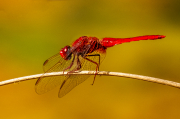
(86, 53)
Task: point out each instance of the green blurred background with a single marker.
(33, 30)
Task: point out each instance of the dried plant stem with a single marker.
(134, 76)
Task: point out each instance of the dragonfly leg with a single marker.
(97, 65)
(95, 55)
(79, 64)
(77, 67)
(69, 65)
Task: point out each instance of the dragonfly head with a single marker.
(66, 53)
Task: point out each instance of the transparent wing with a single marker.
(74, 80)
(53, 64)
(67, 82)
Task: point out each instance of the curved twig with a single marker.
(134, 76)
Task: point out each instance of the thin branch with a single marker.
(134, 76)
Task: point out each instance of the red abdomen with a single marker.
(109, 42)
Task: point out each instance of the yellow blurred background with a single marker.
(33, 30)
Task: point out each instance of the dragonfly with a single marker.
(85, 53)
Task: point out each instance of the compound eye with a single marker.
(65, 53)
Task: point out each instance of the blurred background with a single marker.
(31, 31)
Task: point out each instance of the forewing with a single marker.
(74, 80)
(54, 64)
